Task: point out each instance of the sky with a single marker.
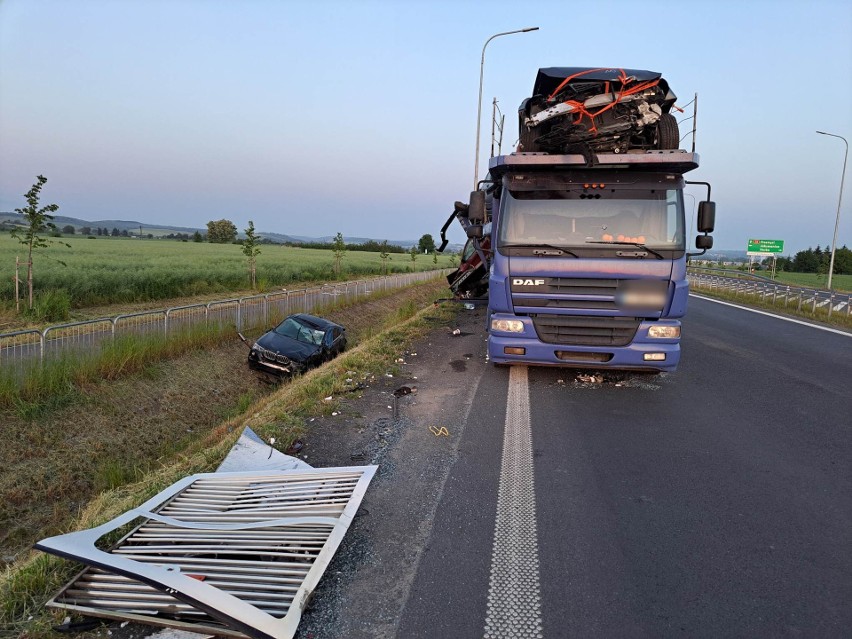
(359, 117)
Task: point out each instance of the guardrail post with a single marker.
(166, 323)
(813, 308)
(41, 338)
(830, 304)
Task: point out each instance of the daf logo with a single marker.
(522, 282)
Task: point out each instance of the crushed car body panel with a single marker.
(250, 452)
(231, 553)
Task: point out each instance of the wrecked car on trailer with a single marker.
(298, 343)
(593, 110)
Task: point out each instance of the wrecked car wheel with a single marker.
(668, 134)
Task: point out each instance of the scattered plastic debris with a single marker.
(595, 378)
(439, 432)
(335, 414)
(404, 390)
(296, 447)
(470, 307)
(328, 399)
(457, 331)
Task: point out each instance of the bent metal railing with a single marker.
(20, 350)
(817, 302)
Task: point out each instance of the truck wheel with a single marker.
(668, 135)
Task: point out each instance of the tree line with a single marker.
(816, 260)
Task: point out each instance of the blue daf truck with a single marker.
(584, 252)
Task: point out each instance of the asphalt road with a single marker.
(713, 502)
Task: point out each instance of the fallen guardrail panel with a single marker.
(228, 553)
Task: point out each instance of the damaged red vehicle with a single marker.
(595, 110)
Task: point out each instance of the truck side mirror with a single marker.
(704, 242)
(706, 217)
(474, 231)
(476, 212)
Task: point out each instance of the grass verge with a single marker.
(839, 319)
(28, 582)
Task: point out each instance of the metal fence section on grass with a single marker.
(817, 302)
(21, 350)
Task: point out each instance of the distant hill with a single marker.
(159, 230)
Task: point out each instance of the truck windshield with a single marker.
(578, 218)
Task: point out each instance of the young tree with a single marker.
(221, 232)
(196, 237)
(115, 232)
(383, 247)
(435, 258)
(251, 250)
(426, 244)
(338, 246)
(413, 254)
(36, 222)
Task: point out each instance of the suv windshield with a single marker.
(580, 218)
(294, 329)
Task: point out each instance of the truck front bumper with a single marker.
(643, 353)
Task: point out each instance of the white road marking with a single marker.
(514, 593)
(781, 317)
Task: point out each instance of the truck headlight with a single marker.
(507, 326)
(665, 332)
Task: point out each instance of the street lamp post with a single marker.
(839, 200)
(479, 105)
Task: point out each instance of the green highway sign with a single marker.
(765, 247)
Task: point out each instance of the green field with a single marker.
(840, 283)
(121, 270)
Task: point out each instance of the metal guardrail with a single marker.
(818, 302)
(21, 350)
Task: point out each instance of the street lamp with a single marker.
(479, 106)
(839, 200)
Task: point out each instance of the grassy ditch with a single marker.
(282, 412)
(839, 319)
(56, 381)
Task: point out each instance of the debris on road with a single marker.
(439, 432)
(593, 378)
(192, 566)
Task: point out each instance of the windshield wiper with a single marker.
(560, 249)
(637, 244)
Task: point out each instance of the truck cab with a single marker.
(587, 263)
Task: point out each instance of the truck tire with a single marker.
(668, 134)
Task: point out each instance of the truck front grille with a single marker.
(585, 331)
